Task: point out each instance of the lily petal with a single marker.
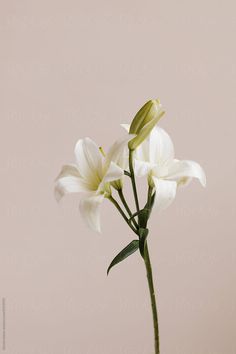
(142, 151)
(181, 171)
(118, 152)
(141, 168)
(125, 126)
(165, 192)
(89, 160)
(69, 170)
(161, 148)
(69, 184)
(113, 173)
(90, 211)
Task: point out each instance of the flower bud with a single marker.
(144, 121)
(145, 115)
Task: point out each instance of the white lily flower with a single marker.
(91, 175)
(155, 158)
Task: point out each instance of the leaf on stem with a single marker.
(143, 217)
(152, 200)
(126, 252)
(143, 233)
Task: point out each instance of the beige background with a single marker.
(75, 68)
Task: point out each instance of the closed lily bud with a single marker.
(144, 121)
(146, 113)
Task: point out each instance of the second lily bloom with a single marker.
(155, 159)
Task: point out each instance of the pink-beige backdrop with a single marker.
(71, 69)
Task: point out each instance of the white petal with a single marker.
(89, 160)
(142, 152)
(69, 181)
(69, 184)
(161, 148)
(181, 170)
(165, 192)
(113, 173)
(118, 151)
(126, 126)
(90, 211)
(69, 170)
(141, 168)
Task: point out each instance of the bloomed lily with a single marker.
(155, 158)
(91, 175)
(146, 150)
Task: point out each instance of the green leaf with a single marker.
(126, 252)
(143, 233)
(143, 217)
(137, 213)
(149, 207)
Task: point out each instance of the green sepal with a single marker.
(126, 252)
(143, 233)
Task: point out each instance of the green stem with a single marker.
(114, 202)
(131, 169)
(150, 189)
(153, 299)
(122, 198)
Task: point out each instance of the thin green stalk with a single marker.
(153, 299)
(149, 200)
(150, 189)
(147, 260)
(131, 168)
(123, 200)
(123, 214)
